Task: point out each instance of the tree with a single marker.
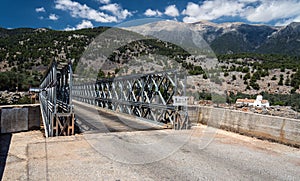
(233, 77)
(255, 86)
(295, 81)
(274, 77)
(101, 74)
(218, 99)
(117, 70)
(253, 83)
(257, 75)
(3, 81)
(204, 95)
(247, 76)
(246, 69)
(287, 81)
(280, 80)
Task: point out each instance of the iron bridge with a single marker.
(146, 96)
(56, 101)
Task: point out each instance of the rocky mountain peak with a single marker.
(235, 37)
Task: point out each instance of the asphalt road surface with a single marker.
(124, 153)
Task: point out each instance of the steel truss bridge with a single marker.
(56, 102)
(147, 96)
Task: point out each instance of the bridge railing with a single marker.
(56, 102)
(147, 96)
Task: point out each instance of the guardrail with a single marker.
(56, 102)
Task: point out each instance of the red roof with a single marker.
(250, 101)
(245, 100)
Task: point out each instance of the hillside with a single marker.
(252, 59)
(26, 53)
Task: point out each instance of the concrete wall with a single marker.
(279, 129)
(15, 118)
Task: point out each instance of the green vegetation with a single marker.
(154, 46)
(24, 100)
(26, 53)
(260, 64)
(281, 80)
(292, 100)
(295, 82)
(269, 61)
(233, 77)
(22, 80)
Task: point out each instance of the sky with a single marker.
(78, 14)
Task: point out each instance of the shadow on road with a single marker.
(5, 140)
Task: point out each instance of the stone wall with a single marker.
(279, 129)
(15, 118)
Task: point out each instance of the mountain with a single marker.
(19, 31)
(284, 41)
(232, 37)
(25, 53)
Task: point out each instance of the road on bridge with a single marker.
(114, 151)
(93, 119)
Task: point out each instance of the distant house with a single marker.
(258, 102)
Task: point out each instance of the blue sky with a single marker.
(77, 14)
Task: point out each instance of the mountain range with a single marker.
(25, 53)
(232, 37)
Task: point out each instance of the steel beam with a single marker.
(146, 96)
(56, 100)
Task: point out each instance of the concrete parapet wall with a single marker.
(15, 118)
(279, 129)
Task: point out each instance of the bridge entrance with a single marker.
(148, 97)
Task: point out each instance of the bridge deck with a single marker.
(93, 119)
(30, 156)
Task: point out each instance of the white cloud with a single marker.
(273, 10)
(78, 10)
(41, 9)
(53, 17)
(211, 10)
(82, 25)
(85, 24)
(104, 1)
(172, 11)
(69, 28)
(258, 11)
(288, 21)
(150, 12)
(116, 10)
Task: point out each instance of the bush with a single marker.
(247, 76)
(24, 100)
(254, 85)
(233, 77)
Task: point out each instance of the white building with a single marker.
(258, 102)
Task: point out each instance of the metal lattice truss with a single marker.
(148, 96)
(56, 105)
